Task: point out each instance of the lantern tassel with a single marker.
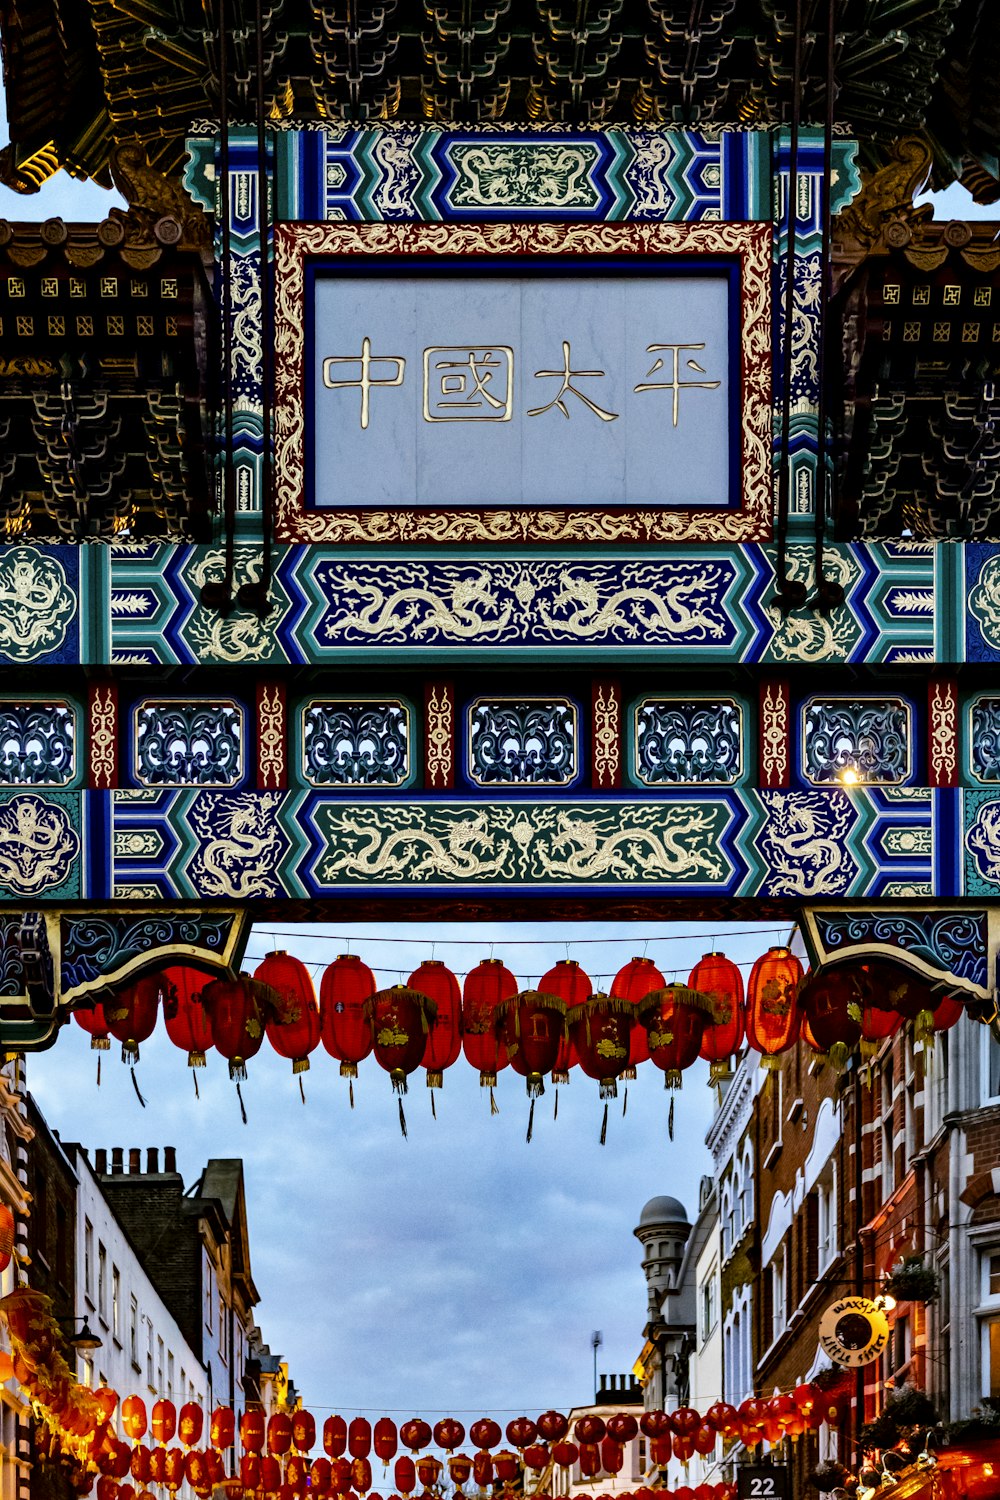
(302, 1092)
(351, 1088)
(130, 1052)
(604, 1127)
(670, 1118)
(625, 1103)
(402, 1117)
(197, 1091)
(98, 1070)
(135, 1085)
(243, 1108)
(531, 1122)
(434, 1113)
(237, 1069)
(494, 1106)
(555, 1108)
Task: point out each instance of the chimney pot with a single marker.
(100, 1161)
(170, 1158)
(117, 1165)
(153, 1159)
(134, 1160)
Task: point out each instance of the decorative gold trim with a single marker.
(440, 736)
(749, 243)
(607, 735)
(774, 710)
(944, 733)
(271, 737)
(103, 732)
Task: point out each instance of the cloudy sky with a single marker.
(461, 1269)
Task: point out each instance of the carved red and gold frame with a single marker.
(749, 244)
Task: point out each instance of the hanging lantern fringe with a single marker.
(130, 1052)
(100, 1044)
(531, 1122)
(555, 1107)
(608, 1088)
(351, 1092)
(434, 1113)
(243, 1108)
(300, 1065)
(197, 1090)
(98, 1070)
(604, 1127)
(402, 1116)
(625, 1104)
(302, 1092)
(494, 1106)
(135, 1085)
(670, 1119)
(237, 1069)
(196, 1060)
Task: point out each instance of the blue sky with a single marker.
(461, 1268)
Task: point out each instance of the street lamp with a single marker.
(86, 1338)
(596, 1339)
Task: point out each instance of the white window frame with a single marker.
(990, 1049)
(988, 1312)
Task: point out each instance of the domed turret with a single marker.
(663, 1232)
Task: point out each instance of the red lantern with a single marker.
(488, 985)
(531, 1026)
(115, 1459)
(536, 1457)
(685, 1421)
(674, 1024)
(590, 1460)
(184, 1015)
(296, 1474)
(190, 1424)
(482, 1469)
(637, 979)
(385, 1440)
(320, 1475)
(622, 1427)
(565, 1454)
(506, 1466)
(589, 1429)
(131, 1015)
(173, 1469)
(772, 1004)
(404, 1475)
(134, 1418)
(723, 1418)
(270, 1474)
(444, 1040)
(92, 1021)
(196, 1472)
(552, 1426)
(429, 1470)
(400, 1019)
(252, 1430)
(459, 1469)
(340, 1474)
(345, 1028)
(600, 1032)
(158, 1465)
(335, 1437)
(164, 1421)
(279, 1433)
(521, 1432)
(139, 1464)
(237, 1021)
(485, 1433)
(718, 977)
(361, 1475)
(829, 1002)
(654, 1424)
(415, 1434)
(293, 1025)
(449, 1434)
(303, 1431)
(222, 1433)
(948, 1013)
(359, 1438)
(612, 1456)
(705, 1440)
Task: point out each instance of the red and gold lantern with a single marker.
(415, 1434)
(320, 1475)
(252, 1430)
(531, 1026)
(385, 1440)
(552, 1426)
(675, 1023)
(292, 1024)
(400, 1020)
(134, 1418)
(190, 1424)
(829, 1003)
(564, 1453)
(444, 1040)
(772, 1018)
(359, 1438)
(237, 1021)
(429, 1470)
(222, 1433)
(522, 1431)
(718, 978)
(279, 1433)
(623, 1427)
(460, 1469)
(449, 1434)
(486, 988)
(361, 1475)
(184, 1015)
(482, 1469)
(93, 1023)
(485, 1433)
(131, 1015)
(303, 1431)
(600, 1030)
(345, 1029)
(164, 1421)
(536, 1457)
(404, 1475)
(589, 1429)
(506, 1466)
(139, 1464)
(612, 1455)
(335, 1437)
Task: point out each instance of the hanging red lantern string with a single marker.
(92, 1021)
(568, 981)
(530, 1027)
(552, 1426)
(485, 1433)
(674, 1019)
(449, 1434)
(303, 1431)
(222, 1433)
(772, 1018)
(718, 977)
(134, 1418)
(460, 1469)
(385, 1440)
(829, 1004)
(486, 987)
(400, 1019)
(876, 1022)
(292, 1022)
(359, 1438)
(600, 1031)
(184, 1015)
(404, 1475)
(190, 1423)
(131, 1015)
(444, 1040)
(633, 982)
(893, 987)
(236, 1014)
(345, 1030)
(415, 1434)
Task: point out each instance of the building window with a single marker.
(826, 1215)
(116, 1299)
(746, 1192)
(159, 1366)
(208, 1291)
(222, 1327)
(779, 1294)
(936, 1083)
(991, 1324)
(102, 1281)
(88, 1258)
(133, 1331)
(150, 1372)
(709, 1306)
(170, 1377)
(726, 1216)
(991, 1067)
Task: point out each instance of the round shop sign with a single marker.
(853, 1331)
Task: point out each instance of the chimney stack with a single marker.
(117, 1166)
(170, 1158)
(153, 1159)
(134, 1160)
(100, 1161)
